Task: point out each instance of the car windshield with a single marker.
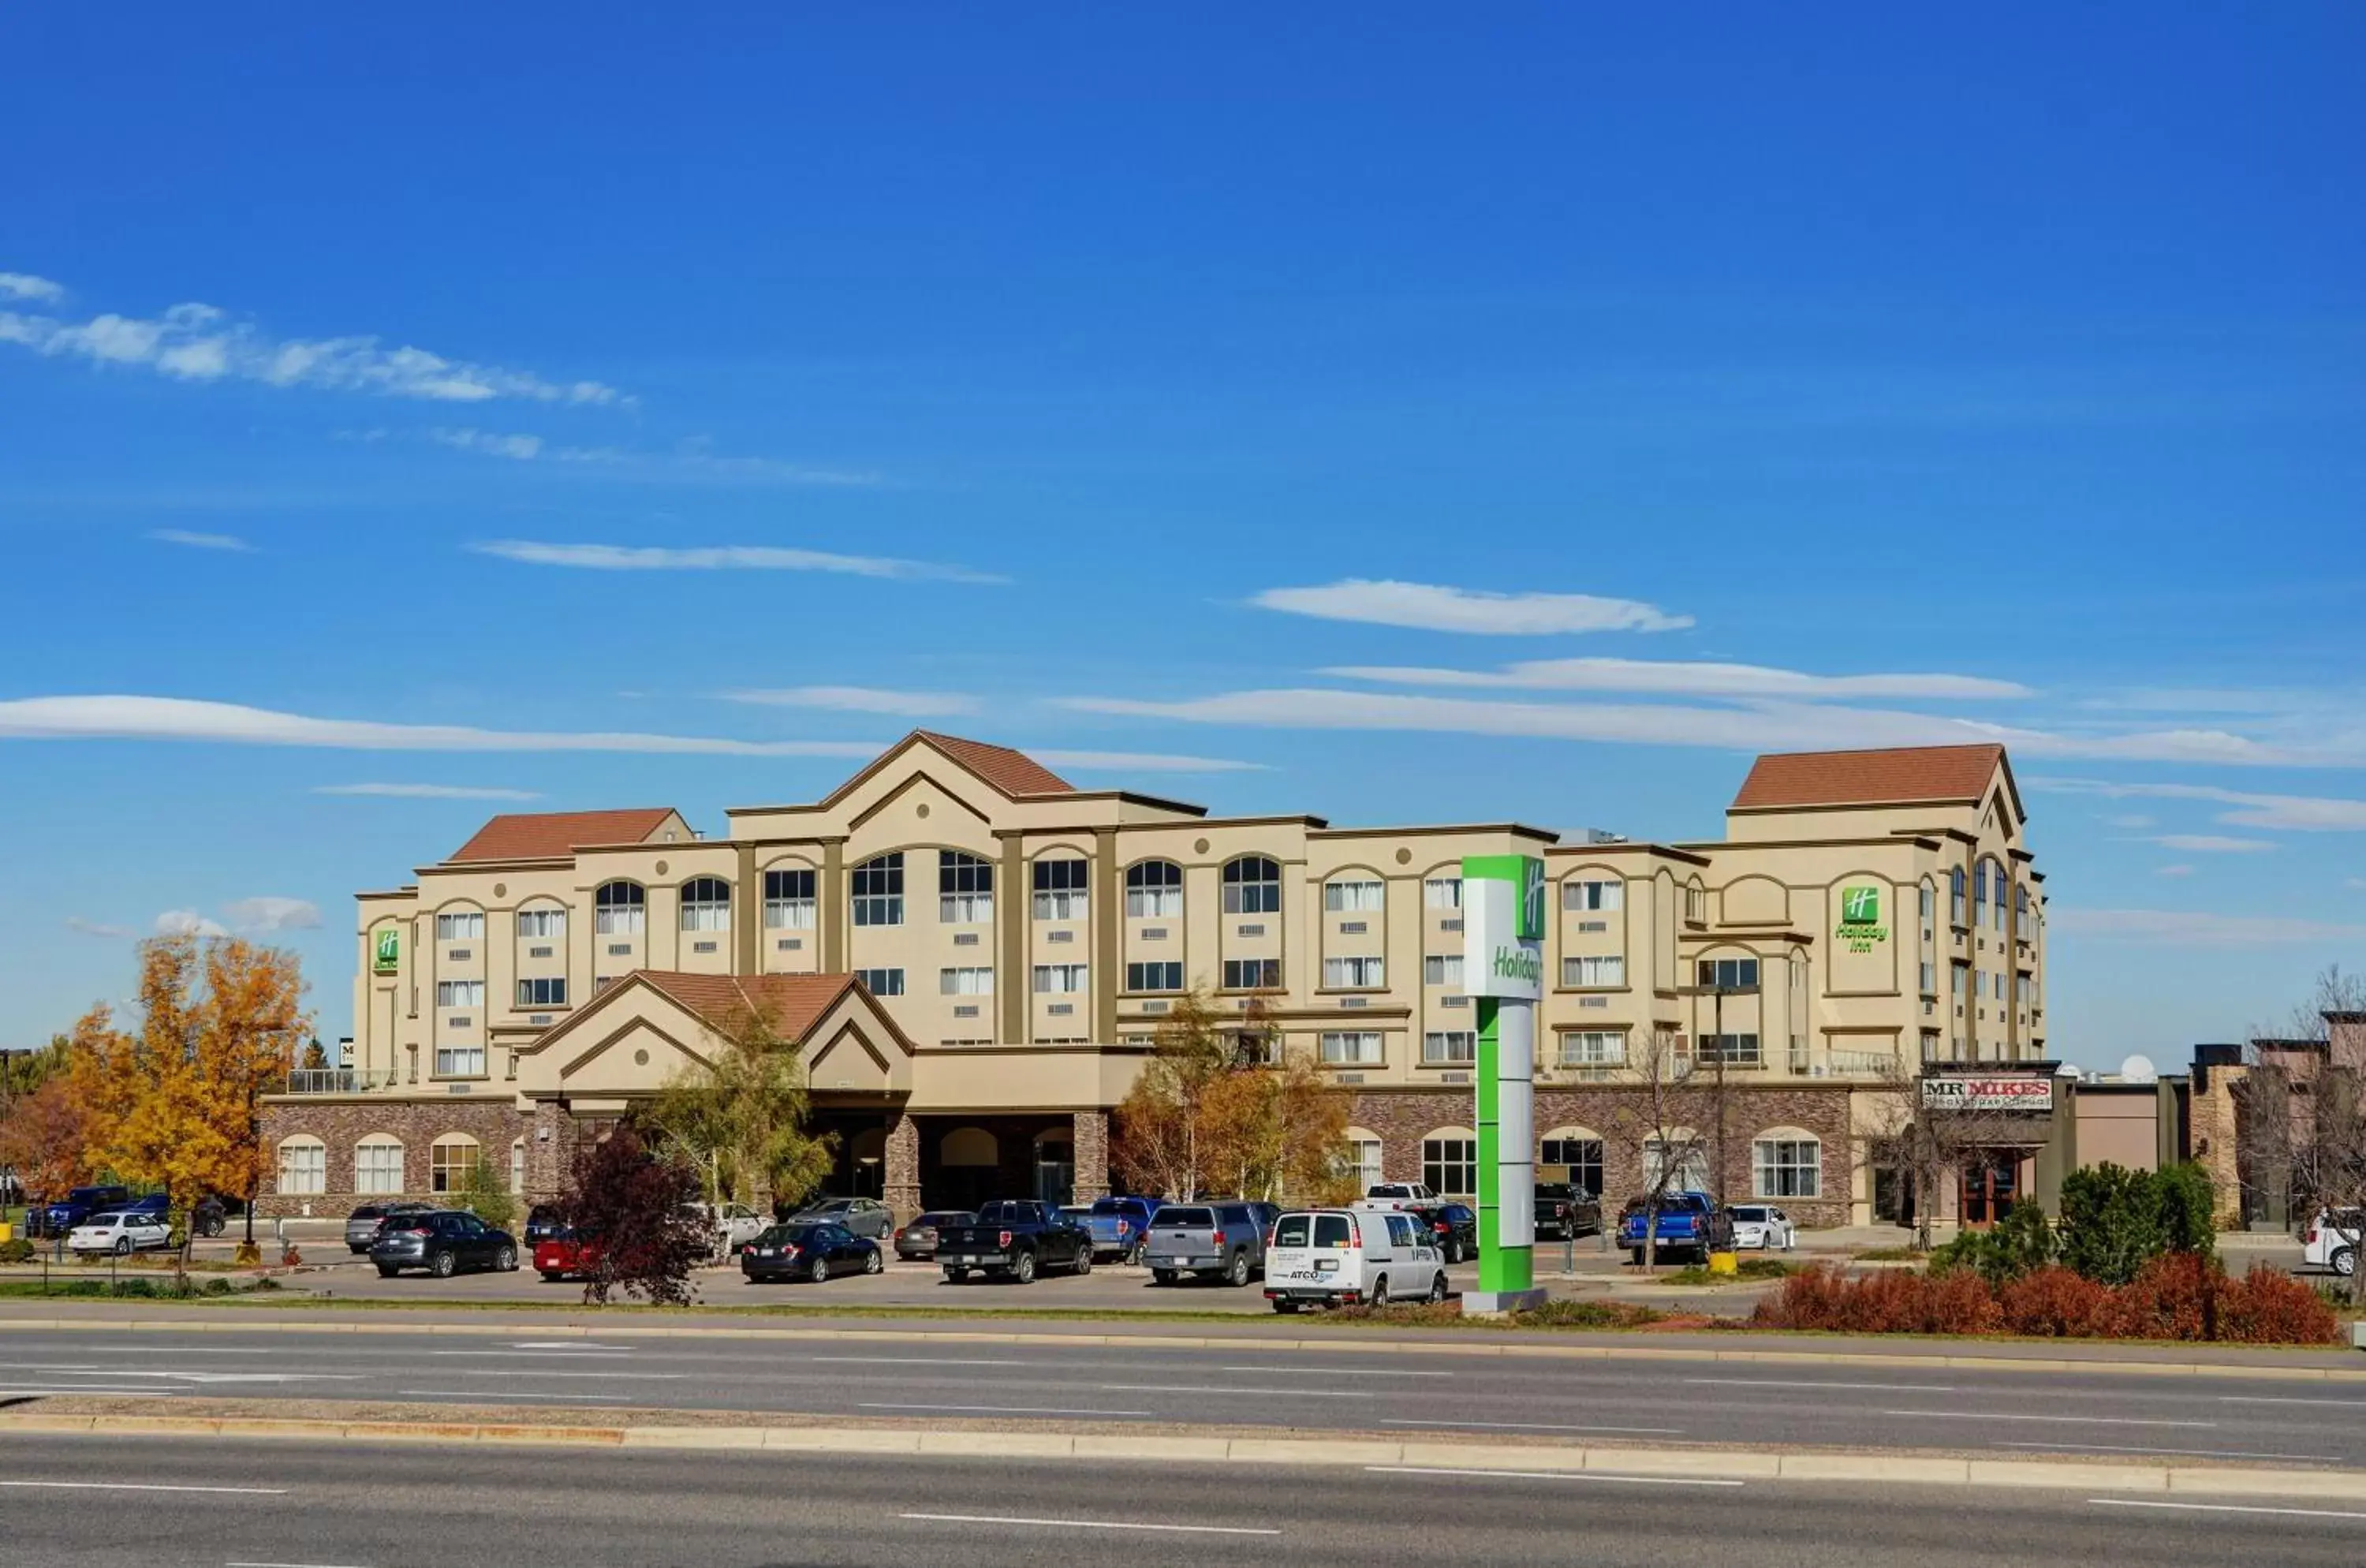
(1749, 1215)
(949, 1218)
(1116, 1205)
(104, 1219)
(87, 1195)
(1175, 1217)
(785, 1235)
(367, 1211)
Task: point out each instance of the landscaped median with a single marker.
(558, 1428)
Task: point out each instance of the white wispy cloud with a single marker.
(201, 342)
(2211, 844)
(722, 558)
(429, 791)
(1756, 726)
(2130, 820)
(188, 923)
(98, 928)
(859, 699)
(1433, 607)
(1140, 762)
(524, 448)
(181, 719)
(268, 912)
(690, 460)
(199, 541)
(2298, 813)
(2184, 928)
(1682, 678)
(2174, 871)
(25, 286)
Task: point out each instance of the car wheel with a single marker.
(442, 1264)
(1084, 1262)
(872, 1262)
(1023, 1270)
(1285, 1307)
(820, 1272)
(505, 1261)
(548, 1278)
(387, 1271)
(1635, 1256)
(1379, 1297)
(1437, 1288)
(1162, 1276)
(2345, 1262)
(956, 1276)
(1237, 1274)
(122, 1245)
(1134, 1258)
(356, 1251)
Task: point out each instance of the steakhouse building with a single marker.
(975, 954)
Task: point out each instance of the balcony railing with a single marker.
(1863, 1064)
(336, 1080)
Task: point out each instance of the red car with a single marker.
(558, 1256)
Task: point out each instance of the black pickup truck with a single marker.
(1014, 1239)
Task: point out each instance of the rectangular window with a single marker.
(459, 927)
(788, 901)
(1927, 903)
(1729, 973)
(1359, 897)
(1733, 1050)
(968, 981)
(377, 1168)
(545, 993)
(1593, 1048)
(541, 924)
(1442, 892)
(1930, 978)
(1956, 896)
(1252, 974)
(1450, 1166)
(878, 891)
(1787, 1167)
(459, 993)
(1610, 970)
(459, 1061)
(1448, 1047)
(1153, 903)
(882, 982)
(1957, 980)
(1592, 895)
(449, 1166)
(1582, 1156)
(965, 889)
(1059, 980)
(1162, 976)
(1060, 890)
(1353, 974)
(1442, 969)
(1364, 1157)
(1353, 1047)
(303, 1169)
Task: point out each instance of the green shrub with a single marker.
(2115, 1220)
(487, 1197)
(2019, 1244)
(17, 1249)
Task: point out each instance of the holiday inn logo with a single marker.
(1860, 905)
(388, 958)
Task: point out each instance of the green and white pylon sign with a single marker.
(1503, 971)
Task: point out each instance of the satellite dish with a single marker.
(2067, 1070)
(2139, 1069)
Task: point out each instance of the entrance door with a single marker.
(1992, 1183)
(1055, 1168)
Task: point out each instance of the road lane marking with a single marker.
(1087, 1524)
(136, 1390)
(609, 1377)
(145, 1487)
(1535, 1427)
(1265, 1392)
(914, 1362)
(2079, 1420)
(1337, 1372)
(1550, 1475)
(287, 1565)
(2197, 1453)
(577, 1345)
(2271, 1399)
(1813, 1383)
(997, 1409)
(2224, 1509)
(509, 1395)
(533, 1355)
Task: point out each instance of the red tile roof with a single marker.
(542, 835)
(1013, 772)
(1895, 776)
(795, 1002)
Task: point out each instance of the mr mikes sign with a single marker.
(2033, 1095)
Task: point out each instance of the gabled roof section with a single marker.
(795, 1002)
(547, 835)
(1013, 772)
(1900, 775)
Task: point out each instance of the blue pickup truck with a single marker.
(1689, 1223)
(1118, 1225)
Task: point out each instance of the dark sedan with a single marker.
(443, 1242)
(364, 1224)
(1455, 1227)
(812, 1252)
(918, 1239)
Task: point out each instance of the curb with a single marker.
(1335, 1344)
(1719, 1464)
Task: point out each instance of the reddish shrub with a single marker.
(1892, 1302)
(2173, 1298)
(2054, 1303)
(2268, 1307)
(1959, 1302)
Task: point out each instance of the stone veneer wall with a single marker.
(2212, 1124)
(341, 1123)
(1402, 1121)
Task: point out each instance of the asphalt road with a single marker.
(81, 1502)
(892, 1375)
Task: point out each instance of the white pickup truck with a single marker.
(2331, 1240)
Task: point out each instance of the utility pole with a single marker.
(1716, 994)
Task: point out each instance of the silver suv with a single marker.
(1221, 1240)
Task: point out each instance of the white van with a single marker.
(1369, 1255)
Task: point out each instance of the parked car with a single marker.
(2332, 1240)
(863, 1216)
(1565, 1211)
(542, 1223)
(801, 1251)
(735, 1225)
(563, 1255)
(1213, 1241)
(1342, 1256)
(363, 1225)
(1120, 1226)
(918, 1239)
(119, 1231)
(1689, 1223)
(61, 1215)
(1399, 1192)
(443, 1242)
(207, 1215)
(1763, 1228)
(1013, 1238)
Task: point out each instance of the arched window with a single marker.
(1578, 1148)
(542, 922)
(451, 1160)
(2024, 920)
(1354, 894)
(789, 899)
(1786, 1163)
(303, 1166)
(1154, 889)
(378, 1166)
(460, 925)
(878, 891)
(707, 904)
(1364, 1157)
(517, 1166)
(965, 889)
(1060, 888)
(1998, 885)
(1449, 1162)
(619, 909)
(1252, 886)
(1956, 896)
(970, 1146)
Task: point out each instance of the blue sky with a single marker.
(456, 403)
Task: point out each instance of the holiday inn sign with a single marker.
(1861, 925)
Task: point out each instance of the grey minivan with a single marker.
(1221, 1240)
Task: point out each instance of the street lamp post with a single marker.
(1716, 994)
